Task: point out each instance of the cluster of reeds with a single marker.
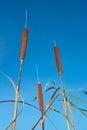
(58, 93)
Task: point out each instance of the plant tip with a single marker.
(26, 19)
(54, 42)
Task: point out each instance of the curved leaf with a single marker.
(76, 98)
(73, 105)
(10, 79)
(49, 85)
(59, 112)
(74, 90)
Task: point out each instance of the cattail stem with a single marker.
(65, 108)
(71, 115)
(16, 99)
(20, 73)
(42, 121)
(22, 56)
(15, 111)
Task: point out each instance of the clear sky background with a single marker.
(62, 20)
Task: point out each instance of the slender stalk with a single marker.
(22, 56)
(16, 99)
(42, 121)
(71, 115)
(65, 103)
(66, 113)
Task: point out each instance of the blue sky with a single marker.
(64, 21)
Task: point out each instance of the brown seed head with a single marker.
(40, 98)
(58, 62)
(23, 44)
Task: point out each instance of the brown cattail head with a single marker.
(58, 62)
(24, 43)
(40, 97)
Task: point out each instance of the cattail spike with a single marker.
(23, 44)
(40, 96)
(58, 62)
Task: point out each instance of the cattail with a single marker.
(24, 43)
(22, 55)
(40, 98)
(58, 62)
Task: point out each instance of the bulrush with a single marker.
(22, 55)
(58, 62)
(24, 41)
(40, 98)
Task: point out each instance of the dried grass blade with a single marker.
(22, 102)
(52, 122)
(50, 88)
(10, 79)
(74, 90)
(55, 110)
(15, 111)
(83, 109)
(71, 115)
(76, 98)
(16, 98)
(66, 114)
(65, 108)
(73, 105)
(54, 93)
(49, 85)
